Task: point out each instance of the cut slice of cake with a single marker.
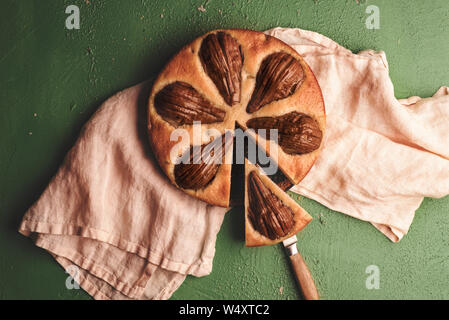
(271, 216)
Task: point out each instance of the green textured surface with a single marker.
(53, 79)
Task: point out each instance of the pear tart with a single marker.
(227, 78)
(271, 216)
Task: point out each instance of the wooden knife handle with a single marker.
(304, 277)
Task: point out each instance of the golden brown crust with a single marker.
(186, 66)
(252, 237)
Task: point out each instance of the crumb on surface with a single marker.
(321, 219)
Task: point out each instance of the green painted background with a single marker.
(53, 79)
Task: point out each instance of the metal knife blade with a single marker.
(290, 245)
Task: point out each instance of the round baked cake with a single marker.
(227, 79)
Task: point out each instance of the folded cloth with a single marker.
(381, 156)
(112, 213)
(116, 224)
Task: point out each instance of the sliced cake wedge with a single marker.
(271, 216)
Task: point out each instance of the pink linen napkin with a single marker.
(111, 217)
(115, 223)
(381, 156)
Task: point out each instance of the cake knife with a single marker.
(302, 273)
